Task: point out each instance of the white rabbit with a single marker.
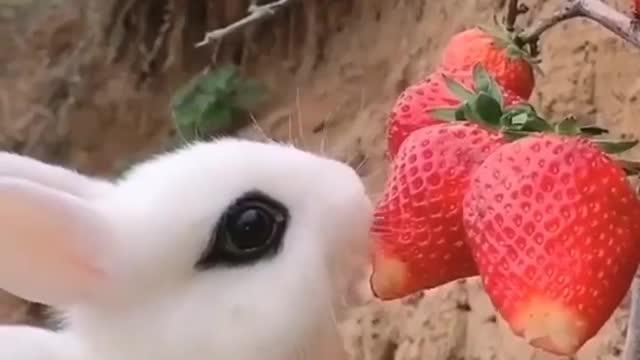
(225, 250)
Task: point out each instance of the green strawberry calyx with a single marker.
(511, 44)
(486, 106)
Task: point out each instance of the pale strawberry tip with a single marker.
(388, 278)
(550, 326)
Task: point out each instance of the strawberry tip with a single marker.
(387, 278)
(550, 326)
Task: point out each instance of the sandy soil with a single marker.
(332, 94)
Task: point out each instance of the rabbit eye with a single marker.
(250, 229)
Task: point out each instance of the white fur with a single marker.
(150, 302)
(59, 178)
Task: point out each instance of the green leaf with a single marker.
(487, 109)
(467, 112)
(219, 80)
(498, 32)
(515, 134)
(630, 166)
(523, 117)
(521, 107)
(501, 42)
(506, 120)
(536, 123)
(520, 119)
(448, 114)
(212, 102)
(510, 113)
(593, 130)
(515, 52)
(457, 89)
(485, 83)
(187, 133)
(615, 146)
(215, 111)
(188, 112)
(481, 78)
(568, 126)
(216, 117)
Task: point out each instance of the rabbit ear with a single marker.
(50, 243)
(52, 176)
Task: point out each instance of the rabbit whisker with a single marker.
(352, 158)
(360, 165)
(325, 128)
(299, 114)
(257, 126)
(290, 125)
(323, 140)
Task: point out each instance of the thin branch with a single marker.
(257, 13)
(512, 15)
(595, 10)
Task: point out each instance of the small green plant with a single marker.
(214, 103)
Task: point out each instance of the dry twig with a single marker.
(256, 13)
(512, 14)
(595, 10)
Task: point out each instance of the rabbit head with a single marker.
(219, 250)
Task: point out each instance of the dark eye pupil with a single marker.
(250, 228)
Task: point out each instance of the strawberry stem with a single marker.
(485, 105)
(511, 42)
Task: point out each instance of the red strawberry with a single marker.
(418, 223)
(507, 63)
(410, 112)
(554, 228)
